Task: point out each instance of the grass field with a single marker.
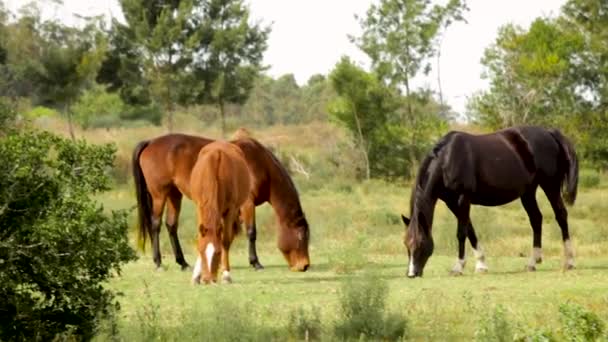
(357, 234)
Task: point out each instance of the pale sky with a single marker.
(309, 36)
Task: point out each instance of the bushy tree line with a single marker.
(57, 245)
(553, 73)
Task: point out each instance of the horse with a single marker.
(219, 185)
(161, 172)
(491, 170)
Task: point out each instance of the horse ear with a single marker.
(405, 220)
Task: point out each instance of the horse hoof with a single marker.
(455, 273)
(185, 267)
(196, 281)
(257, 266)
(539, 260)
(159, 269)
(569, 267)
(481, 270)
(531, 268)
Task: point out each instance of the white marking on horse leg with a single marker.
(196, 274)
(480, 265)
(226, 278)
(536, 258)
(410, 272)
(458, 267)
(569, 254)
(209, 251)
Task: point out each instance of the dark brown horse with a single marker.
(491, 170)
(162, 167)
(219, 185)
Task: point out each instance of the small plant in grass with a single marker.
(305, 325)
(495, 327)
(362, 312)
(580, 324)
(149, 321)
(351, 258)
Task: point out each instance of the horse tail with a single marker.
(144, 200)
(570, 179)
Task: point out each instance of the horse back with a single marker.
(169, 159)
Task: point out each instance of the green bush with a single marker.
(362, 312)
(40, 112)
(588, 178)
(57, 246)
(98, 108)
(305, 325)
(580, 324)
(495, 327)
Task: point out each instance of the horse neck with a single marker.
(285, 201)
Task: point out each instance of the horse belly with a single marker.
(490, 196)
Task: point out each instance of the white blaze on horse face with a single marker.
(209, 252)
(410, 271)
(196, 274)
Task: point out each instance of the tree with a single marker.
(364, 106)
(531, 79)
(57, 245)
(231, 50)
(400, 36)
(163, 37)
(196, 51)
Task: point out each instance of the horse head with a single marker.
(418, 238)
(293, 243)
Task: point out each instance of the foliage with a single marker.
(588, 178)
(363, 314)
(305, 325)
(40, 112)
(400, 36)
(195, 51)
(57, 246)
(367, 108)
(553, 73)
(98, 108)
(495, 327)
(580, 324)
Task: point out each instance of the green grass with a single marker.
(356, 230)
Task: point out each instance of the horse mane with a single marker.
(209, 200)
(425, 167)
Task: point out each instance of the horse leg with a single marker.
(480, 264)
(536, 221)
(226, 242)
(171, 221)
(158, 204)
(248, 214)
(561, 216)
(461, 210)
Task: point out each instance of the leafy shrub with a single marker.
(580, 324)
(305, 325)
(98, 108)
(495, 327)
(57, 246)
(589, 178)
(40, 112)
(349, 259)
(363, 313)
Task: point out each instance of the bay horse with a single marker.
(219, 185)
(161, 171)
(491, 170)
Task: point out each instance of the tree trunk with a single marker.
(363, 145)
(170, 110)
(413, 122)
(68, 112)
(441, 106)
(222, 116)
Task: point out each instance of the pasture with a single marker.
(356, 233)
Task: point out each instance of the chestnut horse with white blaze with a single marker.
(219, 186)
(161, 170)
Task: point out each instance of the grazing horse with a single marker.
(161, 170)
(219, 185)
(491, 170)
